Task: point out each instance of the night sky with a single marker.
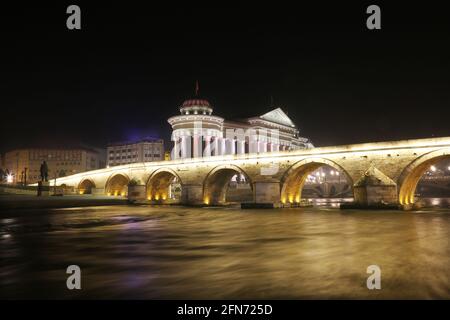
(131, 66)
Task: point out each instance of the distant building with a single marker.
(197, 133)
(24, 164)
(145, 150)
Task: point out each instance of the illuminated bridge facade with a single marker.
(380, 173)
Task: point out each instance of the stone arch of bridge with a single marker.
(117, 184)
(216, 183)
(295, 177)
(86, 186)
(159, 182)
(411, 174)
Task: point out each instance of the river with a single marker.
(144, 252)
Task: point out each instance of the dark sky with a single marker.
(131, 66)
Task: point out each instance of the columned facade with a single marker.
(198, 133)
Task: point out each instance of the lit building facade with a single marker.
(24, 164)
(145, 150)
(199, 133)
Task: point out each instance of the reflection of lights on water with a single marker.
(435, 201)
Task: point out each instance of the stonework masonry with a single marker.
(390, 172)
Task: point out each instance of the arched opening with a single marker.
(164, 186)
(227, 184)
(428, 177)
(117, 185)
(318, 181)
(86, 186)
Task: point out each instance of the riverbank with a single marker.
(17, 201)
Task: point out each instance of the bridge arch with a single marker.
(411, 174)
(117, 184)
(216, 183)
(85, 186)
(159, 182)
(294, 179)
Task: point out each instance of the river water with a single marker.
(143, 252)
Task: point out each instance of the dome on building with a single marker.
(196, 105)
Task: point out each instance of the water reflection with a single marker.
(176, 252)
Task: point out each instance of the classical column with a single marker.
(262, 146)
(215, 146)
(176, 149)
(253, 144)
(197, 141)
(230, 146)
(207, 151)
(240, 147)
(186, 147)
(220, 146)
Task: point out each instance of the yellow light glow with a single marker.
(297, 199)
(291, 199)
(122, 194)
(164, 197)
(149, 198)
(206, 200)
(116, 193)
(81, 191)
(157, 197)
(109, 193)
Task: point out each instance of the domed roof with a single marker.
(196, 102)
(196, 105)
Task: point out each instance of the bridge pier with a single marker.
(266, 194)
(374, 190)
(192, 194)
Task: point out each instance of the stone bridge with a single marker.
(380, 173)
